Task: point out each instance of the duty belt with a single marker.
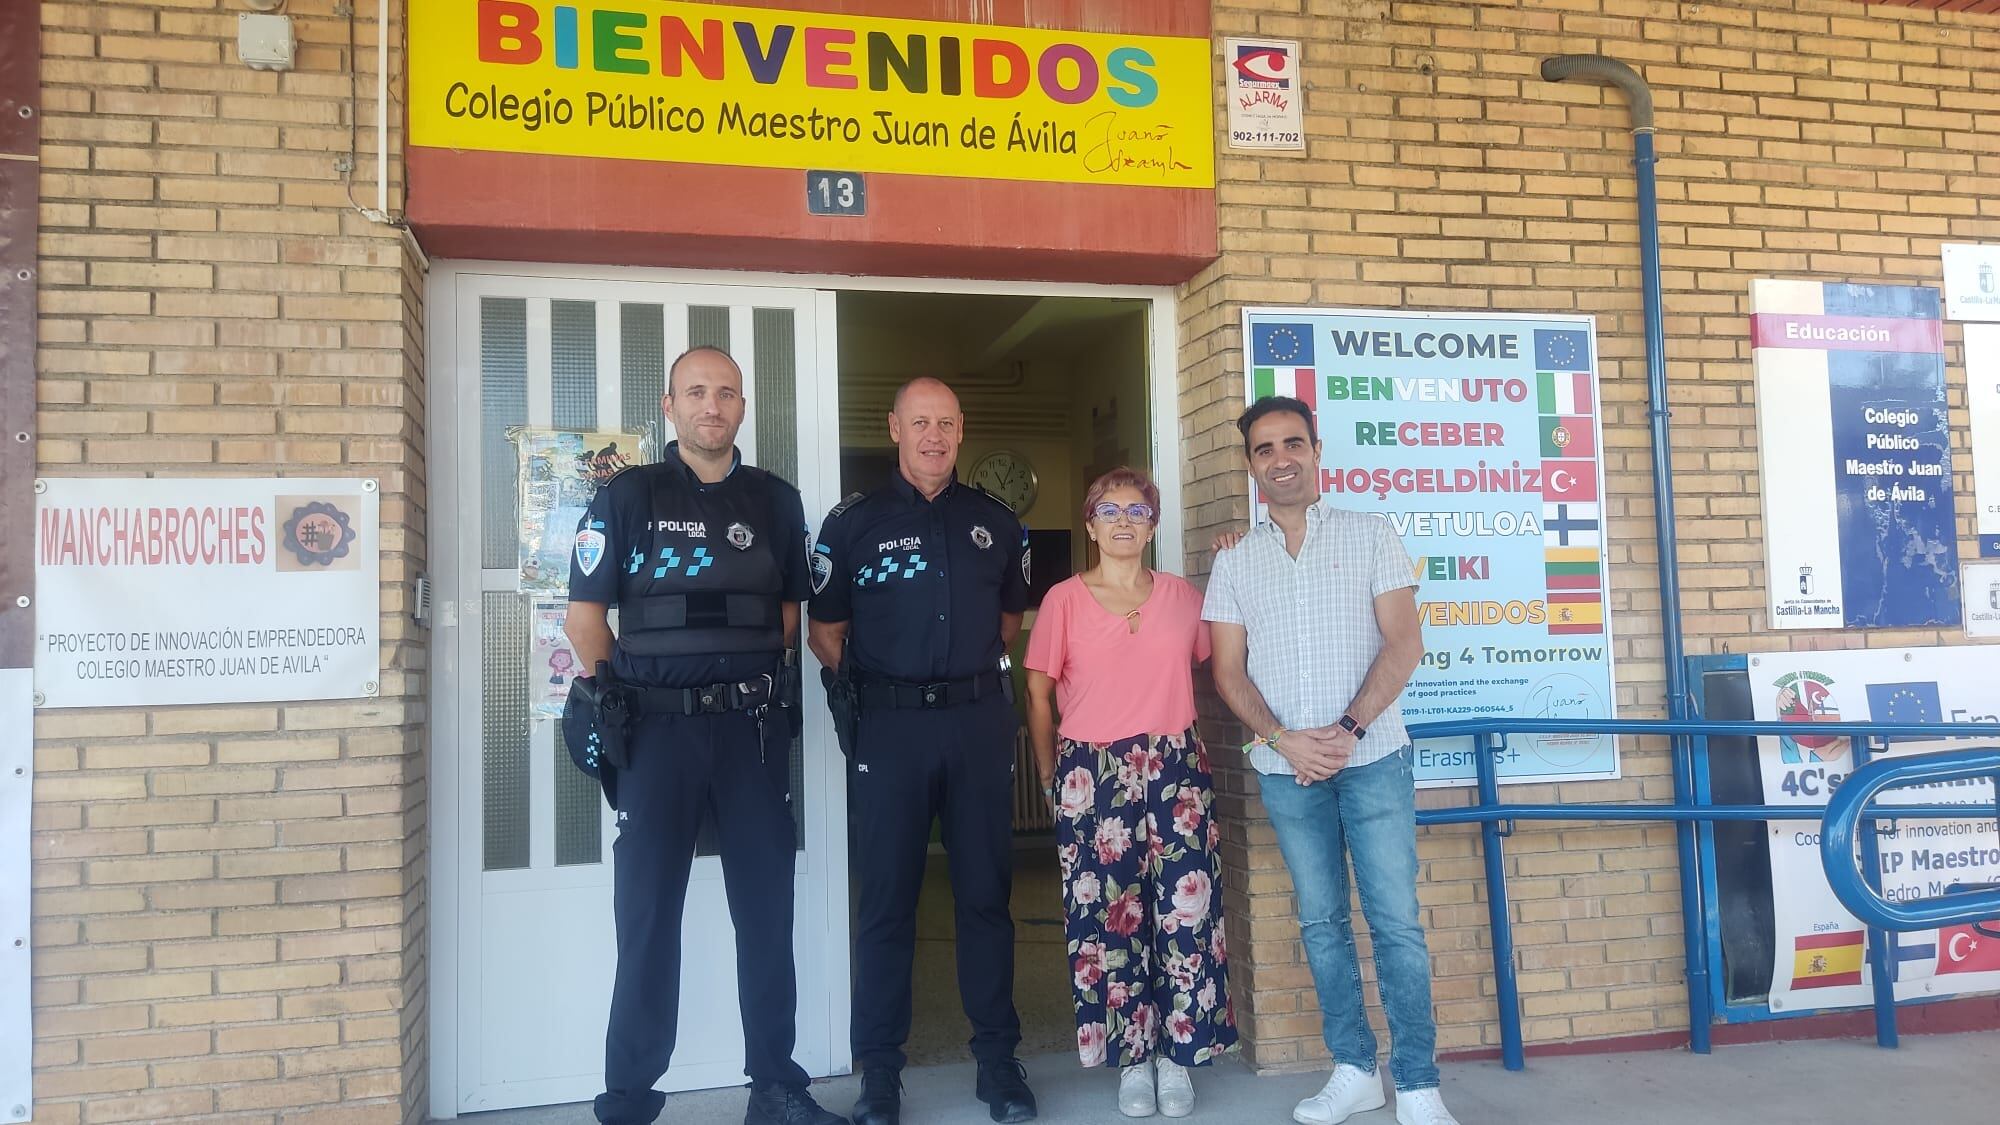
(896, 695)
(715, 699)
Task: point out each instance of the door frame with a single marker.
(453, 836)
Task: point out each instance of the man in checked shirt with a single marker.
(1315, 633)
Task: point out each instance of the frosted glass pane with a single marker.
(503, 402)
(573, 364)
(708, 327)
(774, 346)
(579, 799)
(504, 730)
(643, 357)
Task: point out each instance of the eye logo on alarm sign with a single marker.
(1263, 67)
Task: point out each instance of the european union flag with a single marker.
(1281, 345)
(1562, 349)
(1905, 703)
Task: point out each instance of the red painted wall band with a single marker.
(517, 207)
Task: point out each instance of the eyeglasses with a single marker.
(1109, 513)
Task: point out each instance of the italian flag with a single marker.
(1299, 382)
(1564, 393)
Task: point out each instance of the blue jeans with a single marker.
(1369, 812)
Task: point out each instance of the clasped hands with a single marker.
(1316, 753)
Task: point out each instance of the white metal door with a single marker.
(521, 891)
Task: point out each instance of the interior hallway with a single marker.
(938, 1031)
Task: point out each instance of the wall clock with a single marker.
(1008, 475)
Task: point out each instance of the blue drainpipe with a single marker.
(1611, 72)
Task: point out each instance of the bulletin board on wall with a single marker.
(1780, 944)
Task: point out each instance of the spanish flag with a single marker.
(1826, 960)
(1575, 611)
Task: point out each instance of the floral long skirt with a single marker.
(1142, 900)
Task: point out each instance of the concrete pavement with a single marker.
(1930, 1080)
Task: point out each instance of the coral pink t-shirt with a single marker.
(1111, 682)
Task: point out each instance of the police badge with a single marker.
(590, 548)
(981, 537)
(822, 567)
(740, 536)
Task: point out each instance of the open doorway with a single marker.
(1055, 393)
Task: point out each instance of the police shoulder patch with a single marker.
(981, 489)
(589, 548)
(852, 499)
(819, 559)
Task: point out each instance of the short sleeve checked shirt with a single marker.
(1311, 620)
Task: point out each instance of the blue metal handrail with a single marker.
(1490, 813)
(1846, 810)
(1459, 728)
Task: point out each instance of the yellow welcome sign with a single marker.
(756, 87)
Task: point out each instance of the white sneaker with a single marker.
(1176, 1089)
(1351, 1090)
(1422, 1107)
(1135, 1090)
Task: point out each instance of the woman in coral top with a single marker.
(1113, 650)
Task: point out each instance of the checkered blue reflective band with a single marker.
(671, 560)
(637, 560)
(889, 568)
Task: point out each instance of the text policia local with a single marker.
(609, 41)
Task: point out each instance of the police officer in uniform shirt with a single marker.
(919, 586)
(705, 558)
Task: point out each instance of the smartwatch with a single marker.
(1348, 724)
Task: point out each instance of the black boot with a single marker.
(1003, 1086)
(881, 1101)
(777, 1104)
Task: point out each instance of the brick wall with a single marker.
(228, 901)
(1799, 138)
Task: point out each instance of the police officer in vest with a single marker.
(918, 588)
(705, 558)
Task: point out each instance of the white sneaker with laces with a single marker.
(1176, 1089)
(1351, 1090)
(1422, 1107)
(1135, 1091)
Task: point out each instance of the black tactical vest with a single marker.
(709, 579)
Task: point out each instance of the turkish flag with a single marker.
(1569, 480)
(1962, 949)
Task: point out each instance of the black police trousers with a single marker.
(680, 766)
(910, 766)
